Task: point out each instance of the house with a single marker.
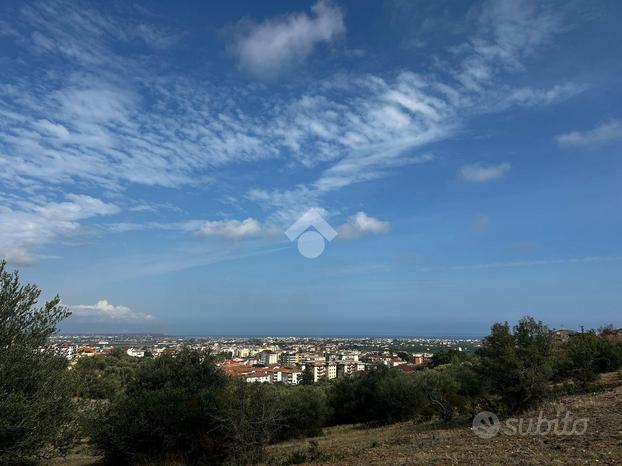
(135, 353)
(562, 334)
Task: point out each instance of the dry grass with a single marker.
(433, 444)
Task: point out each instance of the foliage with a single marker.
(307, 376)
(384, 395)
(440, 391)
(103, 377)
(585, 355)
(36, 410)
(305, 411)
(169, 407)
(516, 366)
(448, 356)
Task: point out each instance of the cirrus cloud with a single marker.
(27, 225)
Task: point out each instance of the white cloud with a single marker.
(53, 129)
(277, 44)
(362, 224)
(529, 96)
(98, 126)
(232, 229)
(603, 134)
(357, 225)
(105, 311)
(479, 173)
(25, 226)
(119, 121)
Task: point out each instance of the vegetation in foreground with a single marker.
(182, 408)
(441, 443)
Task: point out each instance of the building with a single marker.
(345, 368)
(268, 358)
(289, 359)
(135, 353)
(563, 334)
(318, 371)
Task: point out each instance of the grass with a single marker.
(432, 443)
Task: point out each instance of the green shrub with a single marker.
(516, 367)
(583, 356)
(171, 407)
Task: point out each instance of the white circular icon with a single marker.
(486, 425)
(311, 244)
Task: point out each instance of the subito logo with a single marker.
(311, 242)
(486, 425)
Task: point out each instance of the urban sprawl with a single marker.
(273, 360)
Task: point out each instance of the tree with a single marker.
(307, 376)
(587, 354)
(447, 356)
(171, 406)
(516, 366)
(383, 395)
(103, 377)
(36, 409)
(440, 391)
(249, 417)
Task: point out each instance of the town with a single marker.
(270, 360)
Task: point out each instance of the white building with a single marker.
(135, 353)
(268, 357)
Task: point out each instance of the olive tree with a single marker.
(36, 410)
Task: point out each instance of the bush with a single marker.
(103, 377)
(384, 395)
(516, 366)
(585, 355)
(441, 391)
(305, 412)
(171, 407)
(448, 356)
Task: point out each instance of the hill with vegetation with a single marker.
(454, 443)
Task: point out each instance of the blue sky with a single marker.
(466, 153)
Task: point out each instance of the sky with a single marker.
(467, 156)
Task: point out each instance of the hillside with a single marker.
(434, 443)
(408, 443)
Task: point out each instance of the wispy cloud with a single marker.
(605, 133)
(109, 121)
(480, 173)
(268, 48)
(25, 226)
